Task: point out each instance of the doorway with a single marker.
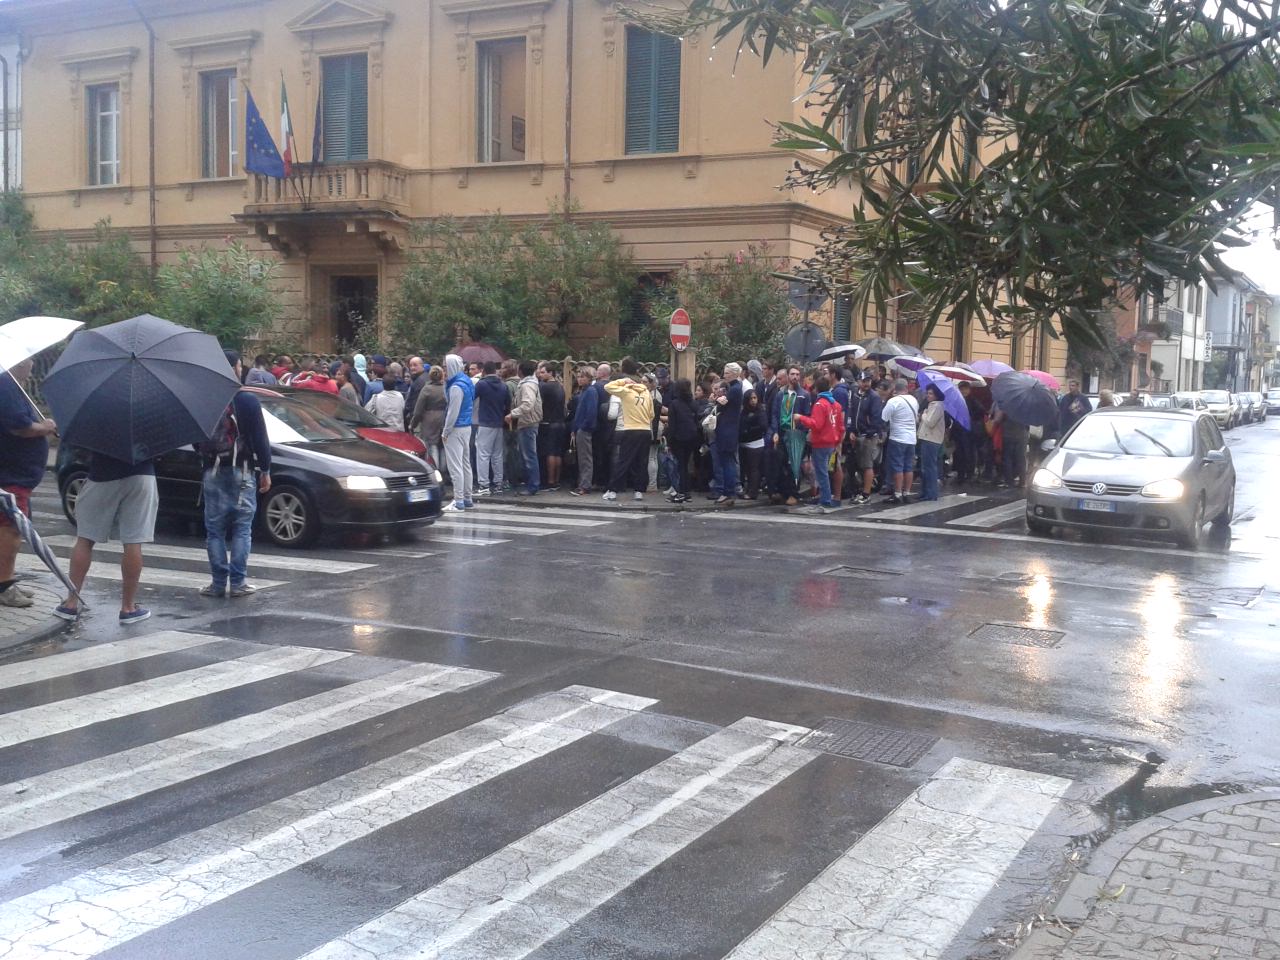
(353, 305)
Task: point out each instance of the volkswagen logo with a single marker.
(1099, 489)
(413, 481)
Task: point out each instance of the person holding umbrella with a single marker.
(931, 433)
(24, 453)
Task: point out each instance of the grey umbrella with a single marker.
(882, 348)
(1025, 399)
(139, 388)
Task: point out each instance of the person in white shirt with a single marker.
(388, 404)
(901, 414)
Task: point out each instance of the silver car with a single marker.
(1161, 472)
(1221, 406)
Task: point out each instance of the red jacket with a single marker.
(314, 381)
(825, 423)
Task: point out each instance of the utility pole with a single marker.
(568, 108)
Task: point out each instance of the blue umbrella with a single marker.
(952, 400)
(139, 388)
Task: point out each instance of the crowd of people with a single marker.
(828, 433)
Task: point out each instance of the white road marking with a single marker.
(91, 658)
(106, 569)
(993, 517)
(516, 515)
(584, 512)
(60, 716)
(398, 554)
(510, 903)
(110, 905)
(59, 794)
(921, 507)
(906, 888)
(481, 525)
(472, 541)
(200, 555)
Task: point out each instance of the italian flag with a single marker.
(286, 131)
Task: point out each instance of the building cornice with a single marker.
(240, 40)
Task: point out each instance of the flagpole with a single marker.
(294, 181)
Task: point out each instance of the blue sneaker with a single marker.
(136, 615)
(469, 505)
(63, 612)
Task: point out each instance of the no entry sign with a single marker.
(680, 329)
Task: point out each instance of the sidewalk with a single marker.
(1198, 881)
(653, 502)
(22, 625)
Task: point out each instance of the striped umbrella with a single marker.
(959, 372)
(9, 506)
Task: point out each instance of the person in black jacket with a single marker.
(684, 435)
(751, 431)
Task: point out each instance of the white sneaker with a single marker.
(670, 492)
(13, 597)
(482, 491)
(610, 496)
(454, 507)
(638, 496)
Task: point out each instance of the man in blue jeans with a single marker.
(237, 468)
(525, 415)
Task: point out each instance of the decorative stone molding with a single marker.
(465, 8)
(221, 51)
(348, 19)
(98, 67)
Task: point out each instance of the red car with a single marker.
(357, 418)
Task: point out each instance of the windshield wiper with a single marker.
(1115, 433)
(1143, 433)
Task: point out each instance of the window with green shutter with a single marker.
(653, 92)
(842, 319)
(345, 108)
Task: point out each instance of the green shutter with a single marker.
(653, 92)
(841, 326)
(346, 108)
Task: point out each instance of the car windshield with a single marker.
(1274, 395)
(1215, 396)
(1183, 402)
(1139, 436)
(339, 409)
(1162, 403)
(291, 421)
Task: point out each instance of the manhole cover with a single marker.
(867, 741)
(855, 573)
(1023, 636)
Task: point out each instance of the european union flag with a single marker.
(260, 152)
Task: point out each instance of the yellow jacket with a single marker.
(637, 403)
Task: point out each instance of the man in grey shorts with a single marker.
(118, 502)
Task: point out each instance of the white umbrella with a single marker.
(958, 371)
(22, 339)
(840, 351)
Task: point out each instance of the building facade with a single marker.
(458, 108)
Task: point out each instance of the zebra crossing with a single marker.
(78, 885)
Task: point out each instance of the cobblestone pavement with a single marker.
(20, 624)
(1200, 881)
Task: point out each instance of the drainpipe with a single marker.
(4, 64)
(568, 107)
(151, 136)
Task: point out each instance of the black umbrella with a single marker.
(1025, 399)
(882, 348)
(139, 388)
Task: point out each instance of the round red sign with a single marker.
(680, 329)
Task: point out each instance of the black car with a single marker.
(324, 477)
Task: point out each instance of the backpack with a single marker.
(222, 445)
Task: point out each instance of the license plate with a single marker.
(417, 496)
(1099, 506)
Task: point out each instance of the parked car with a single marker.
(357, 418)
(1221, 407)
(1273, 401)
(324, 477)
(1255, 406)
(1189, 401)
(1160, 401)
(1162, 472)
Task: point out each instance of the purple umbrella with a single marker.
(952, 400)
(990, 368)
(911, 364)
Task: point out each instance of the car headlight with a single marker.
(439, 477)
(363, 483)
(1165, 489)
(1046, 480)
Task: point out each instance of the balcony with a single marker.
(367, 198)
(1168, 323)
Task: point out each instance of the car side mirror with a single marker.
(1047, 445)
(1215, 456)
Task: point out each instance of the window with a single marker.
(653, 92)
(500, 103)
(104, 134)
(842, 319)
(345, 108)
(218, 154)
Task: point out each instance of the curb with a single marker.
(48, 631)
(595, 503)
(1077, 900)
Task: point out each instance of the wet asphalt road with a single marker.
(1151, 680)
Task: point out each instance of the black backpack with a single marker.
(222, 446)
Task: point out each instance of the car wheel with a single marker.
(1190, 537)
(71, 487)
(1223, 520)
(1039, 527)
(289, 519)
